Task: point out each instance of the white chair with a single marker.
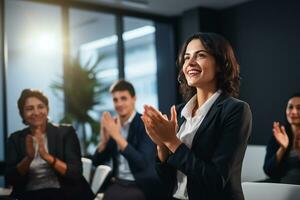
(5, 191)
(87, 168)
(252, 169)
(99, 196)
(270, 191)
(100, 175)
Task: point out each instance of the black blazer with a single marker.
(213, 164)
(64, 145)
(141, 156)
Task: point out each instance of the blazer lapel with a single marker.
(51, 137)
(132, 127)
(209, 117)
(180, 119)
(23, 142)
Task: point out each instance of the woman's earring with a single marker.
(226, 64)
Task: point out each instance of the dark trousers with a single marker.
(123, 190)
(44, 194)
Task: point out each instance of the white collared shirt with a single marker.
(187, 132)
(124, 170)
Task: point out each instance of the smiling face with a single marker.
(293, 111)
(124, 103)
(199, 66)
(35, 112)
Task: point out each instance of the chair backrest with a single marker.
(5, 192)
(100, 175)
(252, 169)
(87, 168)
(270, 191)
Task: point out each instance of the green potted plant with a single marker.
(82, 91)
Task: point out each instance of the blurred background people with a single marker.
(44, 160)
(282, 160)
(203, 158)
(125, 141)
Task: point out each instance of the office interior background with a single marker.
(139, 40)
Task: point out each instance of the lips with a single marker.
(38, 118)
(194, 71)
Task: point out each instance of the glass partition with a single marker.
(93, 41)
(140, 60)
(35, 57)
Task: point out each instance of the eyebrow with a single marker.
(290, 104)
(198, 51)
(31, 105)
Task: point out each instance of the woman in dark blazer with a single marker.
(202, 158)
(44, 160)
(282, 161)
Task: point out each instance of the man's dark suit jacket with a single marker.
(213, 164)
(141, 156)
(64, 145)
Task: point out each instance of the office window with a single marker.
(140, 60)
(34, 42)
(93, 35)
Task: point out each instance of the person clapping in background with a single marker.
(282, 160)
(44, 160)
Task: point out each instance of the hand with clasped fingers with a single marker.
(39, 135)
(104, 136)
(112, 129)
(112, 126)
(30, 151)
(161, 130)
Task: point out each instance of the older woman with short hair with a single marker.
(44, 160)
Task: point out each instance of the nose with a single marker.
(192, 60)
(35, 111)
(294, 111)
(118, 103)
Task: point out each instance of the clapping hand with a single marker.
(280, 135)
(104, 136)
(39, 135)
(161, 129)
(111, 126)
(30, 151)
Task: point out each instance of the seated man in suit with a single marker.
(124, 140)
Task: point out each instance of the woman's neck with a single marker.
(296, 129)
(204, 94)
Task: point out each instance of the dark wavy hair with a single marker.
(27, 93)
(292, 96)
(286, 105)
(228, 70)
(286, 123)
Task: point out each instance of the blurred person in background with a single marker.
(282, 160)
(44, 160)
(123, 139)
